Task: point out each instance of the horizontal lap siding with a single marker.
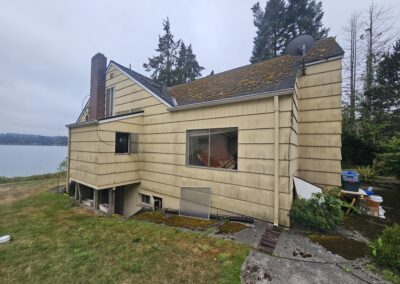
(117, 168)
(247, 191)
(161, 167)
(93, 160)
(319, 129)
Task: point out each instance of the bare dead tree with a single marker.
(379, 35)
(352, 61)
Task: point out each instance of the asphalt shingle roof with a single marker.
(267, 76)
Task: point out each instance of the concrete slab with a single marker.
(298, 260)
(263, 268)
(250, 236)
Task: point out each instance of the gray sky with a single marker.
(46, 46)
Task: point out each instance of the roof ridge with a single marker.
(235, 69)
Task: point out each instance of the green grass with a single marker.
(388, 274)
(55, 242)
(29, 178)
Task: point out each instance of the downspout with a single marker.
(68, 159)
(276, 160)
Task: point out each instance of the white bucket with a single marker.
(376, 198)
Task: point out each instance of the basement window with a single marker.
(145, 199)
(157, 203)
(213, 148)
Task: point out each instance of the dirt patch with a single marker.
(189, 223)
(303, 254)
(230, 228)
(154, 217)
(175, 221)
(345, 247)
(368, 226)
(9, 192)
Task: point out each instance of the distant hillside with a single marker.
(29, 139)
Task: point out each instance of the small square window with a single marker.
(122, 142)
(145, 198)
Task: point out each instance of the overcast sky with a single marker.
(46, 46)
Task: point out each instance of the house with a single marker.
(226, 144)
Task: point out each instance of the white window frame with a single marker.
(209, 149)
(145, 196)
(109, 108)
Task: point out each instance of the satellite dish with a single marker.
(299, 44)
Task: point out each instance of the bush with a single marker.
(386, 249)
(357, 151)
(322, 211)
(367, 174)
(391, 156)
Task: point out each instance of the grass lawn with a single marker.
(54, 241)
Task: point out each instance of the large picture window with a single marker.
(214, 148)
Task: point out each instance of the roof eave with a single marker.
(82, 124)
(243, 98)
(331, 58)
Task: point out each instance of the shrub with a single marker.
(367, 174)
(322, 211)
(391, 156)
(386, 249)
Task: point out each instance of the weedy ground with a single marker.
(53, 241)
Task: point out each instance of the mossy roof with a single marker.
(271, 75)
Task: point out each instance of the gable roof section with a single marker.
(267, 76)
(271, 75)
(323, 49)
(274, 75)
(152, 87)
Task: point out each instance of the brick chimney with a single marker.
(97, 86)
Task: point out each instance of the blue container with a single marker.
(350, 181)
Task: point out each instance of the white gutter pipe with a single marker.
(276, 160)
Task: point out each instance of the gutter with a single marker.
(68, 160)
(233, 100)
(323, 60)
(276, 161)
(105, 120)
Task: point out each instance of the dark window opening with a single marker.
(122, 143)
(145, 198)
(214, 148)
(103, 196)
(157, 203)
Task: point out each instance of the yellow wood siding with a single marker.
(309, 145)
(319, 136)
(93, 159)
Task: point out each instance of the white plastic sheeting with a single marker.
(305, 189)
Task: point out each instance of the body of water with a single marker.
(16, 160)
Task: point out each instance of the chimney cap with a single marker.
(98, 54)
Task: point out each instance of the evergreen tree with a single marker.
(270, 24)
(304, 17)
(187, 67)
(279, 23)
(384, 96)
(162, 65)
